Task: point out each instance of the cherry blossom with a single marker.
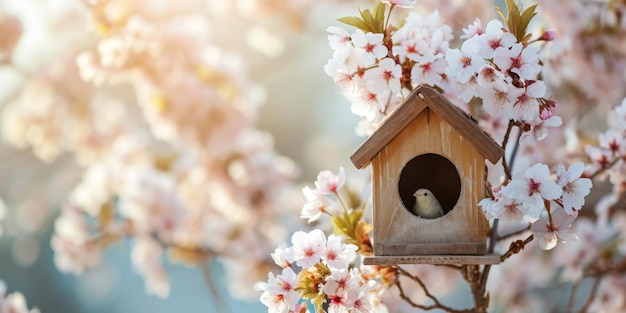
(340, 41)
(278, 294)
(283, 255)
(329, 183)
(575, 188)
(337, 254)
(531, 188)
(550, 230)
(465, 63)
(495, 39)
(520, 60)
(372, 44)
(474, 29)
(308, 247)
(385, 76)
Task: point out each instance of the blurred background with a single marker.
(284, 47)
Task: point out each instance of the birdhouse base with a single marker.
(433, 259)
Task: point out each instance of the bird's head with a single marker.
(423, 195)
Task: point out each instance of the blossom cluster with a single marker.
(377, 67)
(535, 197)
(607, 157)
(175, 162)
(502, 70)
(13, 302)
(320, 271)
(325, 276)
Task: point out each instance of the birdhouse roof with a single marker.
(426, 97)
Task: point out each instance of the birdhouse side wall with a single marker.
(397, 231)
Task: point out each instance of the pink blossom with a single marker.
(522, 61)
(548, 35)
(340, 41)
(369, 105)
(329, 183)
(429, 70)
(337, 254)
(278, 293)
(532, 188)
(283, 255)
(384, 77)
(339, 281)
(613, 141)
(526, 105)
(465, 63)
(498, 99)
(549, 232)
(575, 188)
(360, 299)
(474, 29)
(494, 39)
(372, 44)
(540, 128)
(316, 204)
(308, 247)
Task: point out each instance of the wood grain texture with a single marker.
(421, 98)
(394, 225)
(411, 249)
(433, 259)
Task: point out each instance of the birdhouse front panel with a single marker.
(428, 154)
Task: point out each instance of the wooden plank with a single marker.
(433, 259)
(452, 248)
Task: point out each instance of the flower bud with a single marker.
(548, 35)
(545, 114)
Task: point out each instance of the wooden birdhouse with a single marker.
(428, 143)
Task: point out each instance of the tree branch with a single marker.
(215, 295)
(436, 305)
(516, 247)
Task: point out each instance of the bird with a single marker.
(426, 204)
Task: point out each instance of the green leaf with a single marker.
(379, 13)
(516, 21)
(347, 225)
(368, 22)
(354, 21)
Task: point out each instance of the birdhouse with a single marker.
(428, 144)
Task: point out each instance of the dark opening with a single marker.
(433, 172)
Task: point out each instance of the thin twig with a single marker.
(515, 148)
(217, 299)
(437, 304)
(604, 168)
(516, 247)
(492, 244)
(507, 171)
(409, 301)
(572, 296)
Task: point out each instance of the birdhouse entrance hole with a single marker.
(433, 172)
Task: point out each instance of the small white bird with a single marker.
(426, 204)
